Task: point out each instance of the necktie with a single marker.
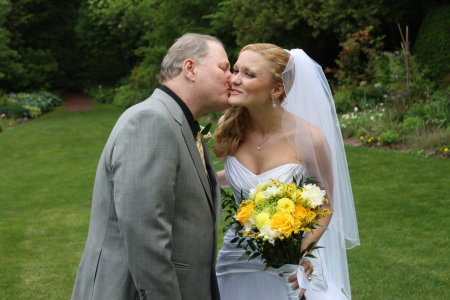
(200, 148)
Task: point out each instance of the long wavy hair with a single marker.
(233, 125)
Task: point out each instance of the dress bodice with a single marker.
(242, 179)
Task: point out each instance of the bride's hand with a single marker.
(308, 267)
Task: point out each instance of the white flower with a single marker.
(271, 191)
(248, 226)
(268, 234)
(252, 194)
(313, 195)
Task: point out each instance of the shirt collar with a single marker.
(193, 124)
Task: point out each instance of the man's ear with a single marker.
(189, 69)
(277, 91)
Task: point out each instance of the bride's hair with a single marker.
(233, 124)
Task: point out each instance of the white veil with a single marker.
(316, 135)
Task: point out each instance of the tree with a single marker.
(40, 35)
(9, 64)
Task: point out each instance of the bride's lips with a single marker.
(235, 92)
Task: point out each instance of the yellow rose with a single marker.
(262, 219)
(286, 204)
(299, 217)
(245, 212)
(282, 221)
(300, 211)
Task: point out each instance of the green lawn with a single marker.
(47, 169)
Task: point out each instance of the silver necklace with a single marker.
(258, 147)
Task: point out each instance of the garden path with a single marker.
(77, 101)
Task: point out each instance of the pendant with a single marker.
(258, 148)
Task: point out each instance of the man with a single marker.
(155, 204)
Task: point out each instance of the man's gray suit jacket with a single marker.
(152, 232)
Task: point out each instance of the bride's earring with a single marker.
(274, 105)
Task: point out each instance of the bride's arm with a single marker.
(223, 182)
(322, 154)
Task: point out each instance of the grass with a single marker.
(47, 168)
(402, 203)
(47, 172)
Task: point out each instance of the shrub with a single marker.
(389, 68)
(101, 94)
(433, 43)
(357, 50)
(430, 138)
(44, 101)
(436, 111)
(343, 100)
(362, 122)
(389, 137)
(13, 111)
(127, 96)
(32, 112)
(348, 97)
(411, 123)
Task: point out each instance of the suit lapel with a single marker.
(178, 115)
(195, 155)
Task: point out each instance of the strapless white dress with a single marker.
(247, 280)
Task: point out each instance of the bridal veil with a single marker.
(311, 122)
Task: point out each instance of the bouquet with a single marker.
(270, 224)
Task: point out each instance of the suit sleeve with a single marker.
(144, 164)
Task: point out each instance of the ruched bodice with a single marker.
(242, 180)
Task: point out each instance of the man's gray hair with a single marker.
(190, 45)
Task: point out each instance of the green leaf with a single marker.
(252, 246)
(234, 240)
(254, 255)
(240, 242)
(206, 129)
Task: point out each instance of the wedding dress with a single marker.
(247, 280)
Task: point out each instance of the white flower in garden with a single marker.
(313, 195)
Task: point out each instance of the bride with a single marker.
(282, 124)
